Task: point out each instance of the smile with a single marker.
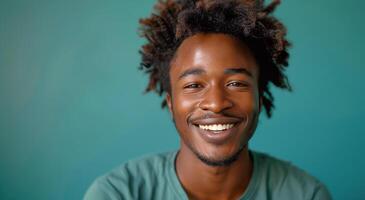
(216, 127)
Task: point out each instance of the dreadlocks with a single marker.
(249, 20)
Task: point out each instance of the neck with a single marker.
(202, 181)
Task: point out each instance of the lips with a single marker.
(217, 130)
(210, 120)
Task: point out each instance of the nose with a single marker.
(215, 100)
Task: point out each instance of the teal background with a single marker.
(72, 104)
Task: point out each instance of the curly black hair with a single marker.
(249, 20)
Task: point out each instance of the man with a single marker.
(213, 60)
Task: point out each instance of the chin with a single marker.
(221, 161)
(217, 158)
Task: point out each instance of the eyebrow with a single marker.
(238, 71)
(193, 71)
(199, 71)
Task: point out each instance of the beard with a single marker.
(214, 162)
(226, 161)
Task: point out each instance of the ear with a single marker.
(168, 101)
(260, 104)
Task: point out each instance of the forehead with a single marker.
(212, 52)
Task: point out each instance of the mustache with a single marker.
(209, 115)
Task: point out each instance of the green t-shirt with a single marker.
(154, 178)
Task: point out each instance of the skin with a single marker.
(214, 79)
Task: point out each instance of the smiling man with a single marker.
(213, 60)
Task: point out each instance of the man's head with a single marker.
(214, 97)
(214, 59)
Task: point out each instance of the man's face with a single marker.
(214, 97)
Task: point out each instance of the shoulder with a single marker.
(282, 178)
(281, 169)
(131, 179)
(153, 165)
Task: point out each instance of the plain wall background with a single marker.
(72, 104)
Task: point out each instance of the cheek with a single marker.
(252, 110)
(248, 103)
(256, 100)
(183, 107)
(184, 104)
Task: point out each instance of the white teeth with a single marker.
(216, 127)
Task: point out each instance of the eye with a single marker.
(238, 84)
(192, 86)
